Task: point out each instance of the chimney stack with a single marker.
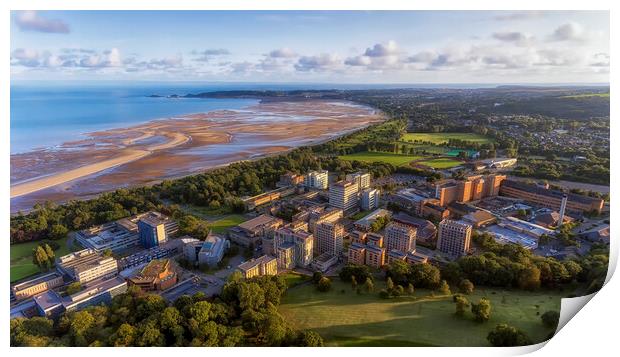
(562, 210)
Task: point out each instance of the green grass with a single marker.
(222, 224)
(440, 163)
(390, 158)
(350, 319)
(293, 279)
(588, 95)
(442, 138)
(21, 258)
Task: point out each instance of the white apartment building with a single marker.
(87, 265)
(370, 199)
(344, 195)
(317, 179)
(362, 179)
(329, 237)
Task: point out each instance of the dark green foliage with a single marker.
(245, 314)
(507, 336)
(550, 318)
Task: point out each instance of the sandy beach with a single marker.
(174, 147)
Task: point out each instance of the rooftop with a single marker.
(549, 193)
(155, 267)
(254, 223)
(254, 262)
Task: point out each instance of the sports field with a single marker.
(222, 224)
(390, 158)
(442, 138)
(440, 163)
(349, 319)
(21, 258)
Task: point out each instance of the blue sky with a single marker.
(312, 46)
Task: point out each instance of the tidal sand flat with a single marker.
(176, 146)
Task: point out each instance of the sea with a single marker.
(45, 114)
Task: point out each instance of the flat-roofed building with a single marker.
(344, 195)
(267, 197)
(370, 198)
(551, 219)
(550, 198)
(290, 179)
(317, 179)
(411, 199)
(356, 254)
(100, 292)
(499, 163)
(286, 256)
(87, 265)
(156, 275)
(152, 230)
(375, 256)
(493, 183)
(365, 223)
(426, 231)
(329, 238)
(358, 237)
(394, 255)
(435, 211)
(165, 250)
(250, 232)
(212, 250)
(117, 236)
(479, 218)
(321, 215)
(37, 285)
(374, 240)
(416, 258)
(301, 240)
(401, 237)
(324, 261)
(264, 265)
(454, 237)
(361, 178)
(446, 193)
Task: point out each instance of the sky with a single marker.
(312, 46)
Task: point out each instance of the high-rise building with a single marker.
(374, 240)
(286, 256)
(400, 237)
(454, 237)
(370, 199)
(375, 256)
(493, 183)
(152, 231)
(317, 179)
(328, 237)
(344, 195)
(302, 242)
(362, 179)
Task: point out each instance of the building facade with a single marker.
(329, 238)
(370, 199)
(400, 237)
(344, 195)
(264, 265)
(454, 237)
(317, 179)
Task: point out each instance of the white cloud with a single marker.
(382, 50)
(318, 63)
(518, 38)
(569, 32)
(282, 53)
(31, 21)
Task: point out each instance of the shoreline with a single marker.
(137, 156)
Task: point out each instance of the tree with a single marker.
(444, 288)
(410, 289)
(424, 276)
(550, 318)
(316, 277)
(324, 284)
(310, 339)
(58, 231)
(389, 284)
(369, 285)
(507, 336)
(466, 286)
(353, 283)
(251, 296)
(39, 258)
(482, 310)
(74, 288)
(124, 336)
(107, 252)
(461, 305)
(200, 311)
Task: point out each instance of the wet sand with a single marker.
(175, 147)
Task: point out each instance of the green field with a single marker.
(222, 224)
(442, 138)
(390, 158)
(350, 319)
(588, 95)
(440, 163)
(21, 258)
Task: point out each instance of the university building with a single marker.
(454, 237)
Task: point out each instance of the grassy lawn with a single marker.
(440, 163)
(349, 319)
(390, 158)
(21, 258)
(442, 138)
(589, 95)
(294, 279)
(222, 224)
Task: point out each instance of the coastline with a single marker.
(179, 146)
